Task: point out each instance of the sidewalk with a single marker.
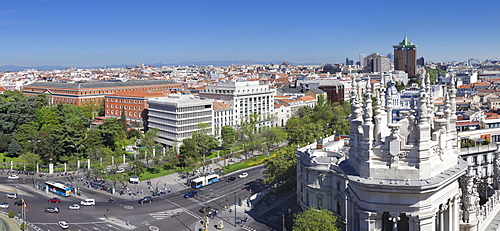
(10, 223)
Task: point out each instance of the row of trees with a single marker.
(311, 124)
(37, 132)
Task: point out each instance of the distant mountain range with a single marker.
(184, 63)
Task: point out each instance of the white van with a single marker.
(88, 202)
(134, 180)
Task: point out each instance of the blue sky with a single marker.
(108, 32)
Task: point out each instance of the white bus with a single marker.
(204, 180)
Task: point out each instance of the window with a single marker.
(485, 158)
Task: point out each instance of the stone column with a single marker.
(51, 168)
(394, 218)
(88, 164)
(367, 220)
(454, 213)
(449, 211)
(441, 218)
(65, 167)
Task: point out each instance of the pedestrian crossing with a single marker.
(162, 215)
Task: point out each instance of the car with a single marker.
(74, 207)
(205, 209)
(88, 202)
(11, 195)
(54, 200)
(120, 170)
(4, 205)
(18, 203)
(145, 200)
(63, 224)
(52, 209)
(243, 175)
(231, 178)
(191, 194)
(13, 177)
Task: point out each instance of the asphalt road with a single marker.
(168, 212)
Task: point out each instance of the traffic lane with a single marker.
(176, 221)
(274, 217)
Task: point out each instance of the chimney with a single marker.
(319, 144)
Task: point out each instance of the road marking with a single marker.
(246, 227)
(165, 214)
(128, 207)
(154, 228)
(185, 209)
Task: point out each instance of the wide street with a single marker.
(167, 212)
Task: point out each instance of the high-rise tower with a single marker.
(405, 57)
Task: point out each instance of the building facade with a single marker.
(246, 98)
(177, 116)
(405, 57)
(377, 63)
(80, 93)
(406, 174)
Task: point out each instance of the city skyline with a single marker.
(96, 33)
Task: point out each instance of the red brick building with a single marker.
(79, 93)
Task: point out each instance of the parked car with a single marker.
(4, 205)
(74, 207)
(231, 178)
(191, 194)
(63, 224)
(243, 175)
(120, 170)
(88, 202)
(54, 200)
(18, 203)
(13, 177)
(11, 195)
(52, 209)
(146, 200)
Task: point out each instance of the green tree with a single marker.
(228, 136)
(28, 136)
(14, 149)
(133, 133)
(4, 142)
(315, 220)
(30, 159)
(274, 136)
(282, 168)
(137, 168)
(189, 148)
(112, 131)
(17, 109)
(205, 143)
(123, 119)
(249, 136)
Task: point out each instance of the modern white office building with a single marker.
(177, 116)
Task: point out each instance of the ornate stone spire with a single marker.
(368, 103)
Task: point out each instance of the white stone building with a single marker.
(246, 98)
(404, 175)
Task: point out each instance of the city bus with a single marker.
(58, 188)
(204, 180)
